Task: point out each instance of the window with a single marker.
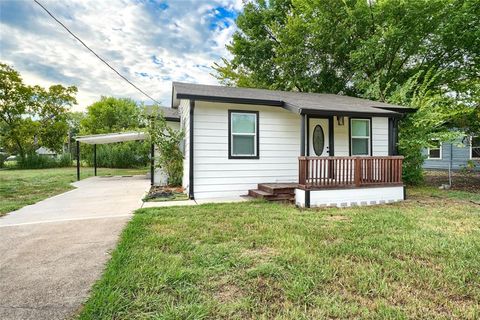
(318, 140)
(243, 135)
(475, 147)
(435, 151)
(360, 137)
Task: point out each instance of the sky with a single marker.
(152, 43)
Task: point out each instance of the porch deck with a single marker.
(349, 172)
(335, 173)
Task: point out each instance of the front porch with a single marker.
(349, 172)
(340, 181)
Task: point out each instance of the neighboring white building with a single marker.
(244, 139)
(42, 151)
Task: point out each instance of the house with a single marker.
(320, 149)
(42, 151)
(461, 153)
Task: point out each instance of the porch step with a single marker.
(278, 188)
(255, 193)
(274, 191)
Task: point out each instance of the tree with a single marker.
(111, 115)
(435, 110)
(419, 53)
(355, 47)
(32, 116)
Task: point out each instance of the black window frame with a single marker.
(370, 144)
(257, 134)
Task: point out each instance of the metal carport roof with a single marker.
(105, 138)
(111, 137)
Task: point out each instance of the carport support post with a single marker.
(95, 159)
(78, 160)
(152, 163)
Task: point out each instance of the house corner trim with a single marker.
(191, 193)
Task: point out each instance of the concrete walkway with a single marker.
(52, 252)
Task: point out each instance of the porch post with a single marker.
(331, 137)
(191, 181)
(302, 134)
(78, 160)
(395, 137)
(95, 159)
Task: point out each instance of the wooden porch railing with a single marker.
(348, 172)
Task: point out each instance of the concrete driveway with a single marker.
(52, 252)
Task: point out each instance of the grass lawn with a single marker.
(19, 188)
(416, 259)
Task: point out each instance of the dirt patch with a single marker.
(228, 292)
(332, 217)
(260, 254)
(269, 291)
(165, 193)
(465, 181)
(256, 251)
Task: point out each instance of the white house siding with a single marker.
(184, 111)
(379, 136)
(340, 138)
(217, 176)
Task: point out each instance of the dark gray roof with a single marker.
(170, 114)
(299, 102)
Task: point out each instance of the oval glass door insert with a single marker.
(318, 140)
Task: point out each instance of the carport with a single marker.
(112, 138)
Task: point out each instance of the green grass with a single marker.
(416, 259)
(19, 188)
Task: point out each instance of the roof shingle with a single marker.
(299, 102)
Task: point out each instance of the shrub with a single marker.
(35, 161)
(167, 140)
(469, 167)
(131, 154)
(65, 160)
(3, 157)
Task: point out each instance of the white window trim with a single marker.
(361, 137)
(471, 148)
(255, 147)
(440, 148)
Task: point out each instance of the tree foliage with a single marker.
(356, 47)
(111, 114)
(32, 116)
(434, 111)
(419, 53)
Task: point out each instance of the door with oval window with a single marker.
(318, 137)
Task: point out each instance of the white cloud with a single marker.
(149, 43)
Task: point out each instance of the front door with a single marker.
(318, 138)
